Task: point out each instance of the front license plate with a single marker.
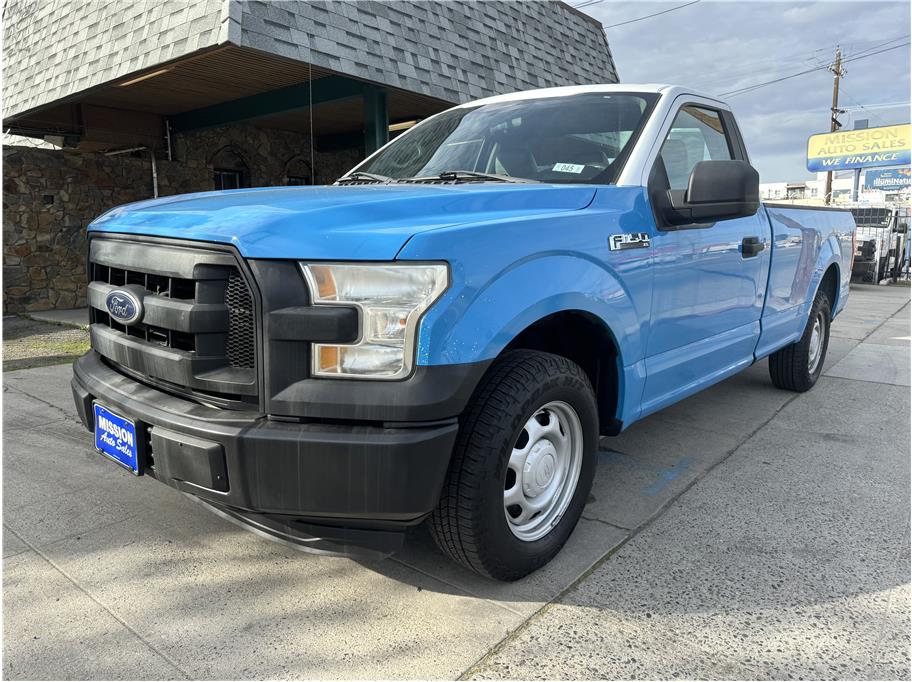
(115, 437)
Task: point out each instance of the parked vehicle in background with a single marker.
(446, 333)
(882, 243)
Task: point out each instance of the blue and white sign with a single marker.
(888, 180)
(115, 437)
(124, 306)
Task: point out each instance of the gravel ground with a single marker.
(30, 343)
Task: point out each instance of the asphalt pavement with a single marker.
(746, 532)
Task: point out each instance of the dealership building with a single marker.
(107, 103)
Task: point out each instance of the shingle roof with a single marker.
(455, 51)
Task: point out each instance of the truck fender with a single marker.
(476, 323)
(830, 253)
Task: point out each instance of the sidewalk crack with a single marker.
(66, 415)
(185, 674)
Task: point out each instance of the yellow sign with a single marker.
(869, 147)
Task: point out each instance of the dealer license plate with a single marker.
(115, 437)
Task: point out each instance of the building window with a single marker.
(227, 179)
(298, 171)
(229, 170)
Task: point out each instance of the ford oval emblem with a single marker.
(124, 306)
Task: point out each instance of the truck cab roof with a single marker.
(669, 91)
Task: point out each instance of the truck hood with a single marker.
(367, 222)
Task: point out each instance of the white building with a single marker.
(813, 191)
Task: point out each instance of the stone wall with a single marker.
(50, 196)
(269, 156)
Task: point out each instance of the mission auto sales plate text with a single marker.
(115, 437)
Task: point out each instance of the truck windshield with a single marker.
(570, 139)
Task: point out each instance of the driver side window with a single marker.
(697, 134)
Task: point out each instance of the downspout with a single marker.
(154, 164)
(154, 174)
(168, 138)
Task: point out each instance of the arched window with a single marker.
(229, 170)
(298, 171)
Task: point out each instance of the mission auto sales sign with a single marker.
(866, 148)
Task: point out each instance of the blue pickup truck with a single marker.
(445, 333)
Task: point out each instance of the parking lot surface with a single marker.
(743, 533)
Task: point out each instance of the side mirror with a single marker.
(717, 190)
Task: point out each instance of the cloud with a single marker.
(722, 46)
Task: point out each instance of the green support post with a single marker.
(376, 119)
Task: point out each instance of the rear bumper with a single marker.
(344, 483)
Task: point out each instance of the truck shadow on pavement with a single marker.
(802, 517)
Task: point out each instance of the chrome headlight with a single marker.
(391, 299)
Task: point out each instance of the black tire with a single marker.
(789, 367)
(470, 523)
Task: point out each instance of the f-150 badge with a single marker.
(631, 240)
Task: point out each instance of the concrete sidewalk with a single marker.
(782, 557)
(75, 317)
(788, 560)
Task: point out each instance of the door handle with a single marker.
(751, 246)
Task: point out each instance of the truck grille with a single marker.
(167, 287)
(197, 334)
(241, 333)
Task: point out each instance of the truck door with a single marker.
(709, 278)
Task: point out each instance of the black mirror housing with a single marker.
(718, 190)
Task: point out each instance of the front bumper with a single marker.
(329, 486)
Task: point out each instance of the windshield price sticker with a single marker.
(568, 168)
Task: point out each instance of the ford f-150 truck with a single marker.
(446, 332)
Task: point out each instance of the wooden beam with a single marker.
(318, 91)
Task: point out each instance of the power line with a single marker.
(860, 105)
(796, 58)
(882, 105)
(809, 58)
(649, 16)
(874, 47)
(757, 86)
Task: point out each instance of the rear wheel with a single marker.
(798, 366)
(522, 466)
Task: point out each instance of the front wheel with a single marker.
(798, 366)
(522, 467)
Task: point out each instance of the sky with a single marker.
(719, 47)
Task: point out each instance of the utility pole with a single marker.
(838, 72)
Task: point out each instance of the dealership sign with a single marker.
(867, 148)
(891, 179)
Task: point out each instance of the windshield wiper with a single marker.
(468, 176)
(361, 176)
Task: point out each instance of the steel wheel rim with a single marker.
(543, 471)
(816, 343)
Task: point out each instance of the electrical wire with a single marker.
(757, 86)
(649, 16)
(796, 58)
(859, 105)
(874, 47)
(803, 56)
(587, 3)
